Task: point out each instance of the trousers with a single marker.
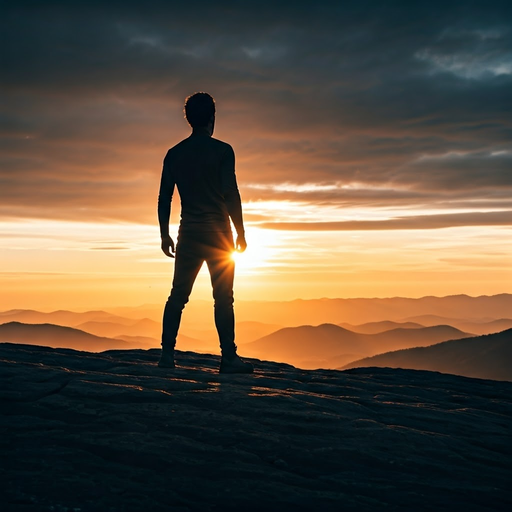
(192, 250)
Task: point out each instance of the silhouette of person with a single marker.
(203, 170)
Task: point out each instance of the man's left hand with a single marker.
(241, 244)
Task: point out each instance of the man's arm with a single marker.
(164, 209)
(232, 197)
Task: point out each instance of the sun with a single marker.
(262, 247)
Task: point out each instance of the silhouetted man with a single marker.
(203, 169)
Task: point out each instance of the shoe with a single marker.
(167, 359)
(235, 364)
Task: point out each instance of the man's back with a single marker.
(203, 169)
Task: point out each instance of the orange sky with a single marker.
(368, 162)
(57, 264)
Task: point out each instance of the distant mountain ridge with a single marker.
(485, 326)
(144, 327)
(198, 313)
(377, 327)
(486, 357)
(61, 317)
(58, 336)
(363, 310)
(255, 320)
(328, 345)
(105, 324)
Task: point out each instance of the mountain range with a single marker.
(330, 346)
(199, 313)
(320, 333)
(58, 336)
(485, 357)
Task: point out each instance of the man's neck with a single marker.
(203, 130)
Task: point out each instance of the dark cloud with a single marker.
(411, 101)
(461, 171)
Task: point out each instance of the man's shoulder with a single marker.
(220, 142)
(177, 147)
(221, 145)
(210, 140)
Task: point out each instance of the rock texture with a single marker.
(113, 432)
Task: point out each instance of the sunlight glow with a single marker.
(67, 265)
(316, 187)
(263, 247)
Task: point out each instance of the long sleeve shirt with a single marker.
(203, 170)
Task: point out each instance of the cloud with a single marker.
(503, 218)
(375, 105)
(471, 54)
(459, 170)
(109, 248)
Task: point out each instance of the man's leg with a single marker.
(222, 274)
(186, 267)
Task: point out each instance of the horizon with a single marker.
(97, 307)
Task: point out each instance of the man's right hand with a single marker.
(168, 246)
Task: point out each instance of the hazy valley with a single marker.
(269, 331)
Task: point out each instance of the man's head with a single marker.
(200, 110)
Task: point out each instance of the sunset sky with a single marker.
(373, 144)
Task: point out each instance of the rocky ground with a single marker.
(112, 431)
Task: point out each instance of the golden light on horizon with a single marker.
(65, 264)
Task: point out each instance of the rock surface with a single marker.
(112, 431)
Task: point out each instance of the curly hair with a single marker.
(199, 109)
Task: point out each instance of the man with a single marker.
(203, 169)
